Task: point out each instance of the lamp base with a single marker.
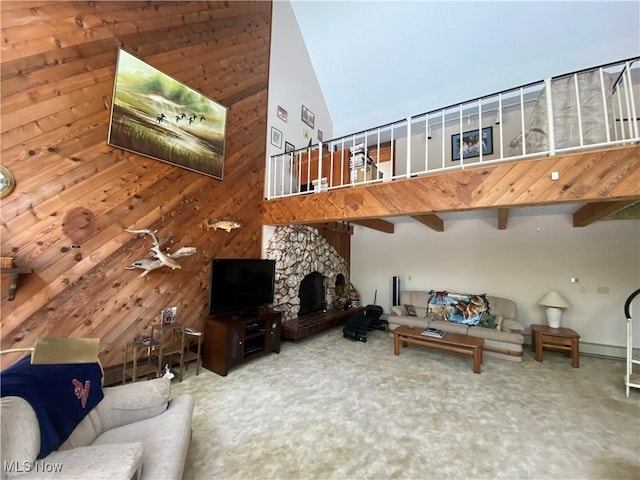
(554, 317)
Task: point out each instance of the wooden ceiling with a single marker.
(605, 181)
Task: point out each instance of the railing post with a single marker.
(499, 120)
(578, 109)
(604, 106)
(550, 129)
(522, 124)
(319, 167)
(442, 124)
(480, 144)
(268, 173)
(408, 147)
(634, 118)
(426, 142)
(461, 138)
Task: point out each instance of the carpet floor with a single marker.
(330, 408)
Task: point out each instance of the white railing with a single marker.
(588, 109)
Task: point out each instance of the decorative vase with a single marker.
(554, 317)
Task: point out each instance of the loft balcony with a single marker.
(570, 138)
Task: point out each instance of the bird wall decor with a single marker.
(159, 258)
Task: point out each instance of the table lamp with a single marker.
(554, 303)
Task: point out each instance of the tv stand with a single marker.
(234, 338)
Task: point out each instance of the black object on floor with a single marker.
(358, 324)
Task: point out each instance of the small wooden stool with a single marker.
(564, 339)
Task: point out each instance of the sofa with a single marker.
(494, 320)
(136, 431)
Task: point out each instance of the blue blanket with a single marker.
(61, 395)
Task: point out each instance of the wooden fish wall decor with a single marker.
(159, 258)
(222, 224)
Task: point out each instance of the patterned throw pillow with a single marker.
(411, 310)
(491, 321)
(487, 320)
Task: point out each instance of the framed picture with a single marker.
(472, 142)
(154, 115)
(282, 114)
(308, 117)
(168, 316)
(288, 147)
(320, 135)
(276, 137)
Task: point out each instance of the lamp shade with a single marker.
(51, 350)
(553, 299)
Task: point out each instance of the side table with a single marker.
(193, 335)
(137, 368)
(563, 339)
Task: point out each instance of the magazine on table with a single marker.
(433, 332)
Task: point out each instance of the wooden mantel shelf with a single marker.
(14, 272)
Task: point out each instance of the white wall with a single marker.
(293, 83)
(532, 256)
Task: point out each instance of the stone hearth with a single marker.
(299, 250)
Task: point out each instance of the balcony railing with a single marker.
(588, 109)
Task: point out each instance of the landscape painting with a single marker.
(155, 115)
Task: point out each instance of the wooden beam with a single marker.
(432, 221)
(503, 217)
(343, 227)
(593, 212)
(376, 224)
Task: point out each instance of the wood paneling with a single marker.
(602, 175)
(75, 195)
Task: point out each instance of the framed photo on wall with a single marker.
(320, 135)
(282, 114)
(276, 137)
(308, 117)
(472, 142)
(288, 147)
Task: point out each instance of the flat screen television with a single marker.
(240, 284)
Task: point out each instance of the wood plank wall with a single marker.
(75, 195)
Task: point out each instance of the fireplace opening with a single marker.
(311, 293)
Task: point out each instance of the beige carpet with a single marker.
(329, 408)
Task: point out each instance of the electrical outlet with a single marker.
(555, 175)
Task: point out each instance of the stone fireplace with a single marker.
(300, 250)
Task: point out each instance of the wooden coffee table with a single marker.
(451, 342)
(564, 339)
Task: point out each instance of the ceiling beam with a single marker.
(503, 217)
(431, 221)
(376, 224)
(344, 227)
(594, 211)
